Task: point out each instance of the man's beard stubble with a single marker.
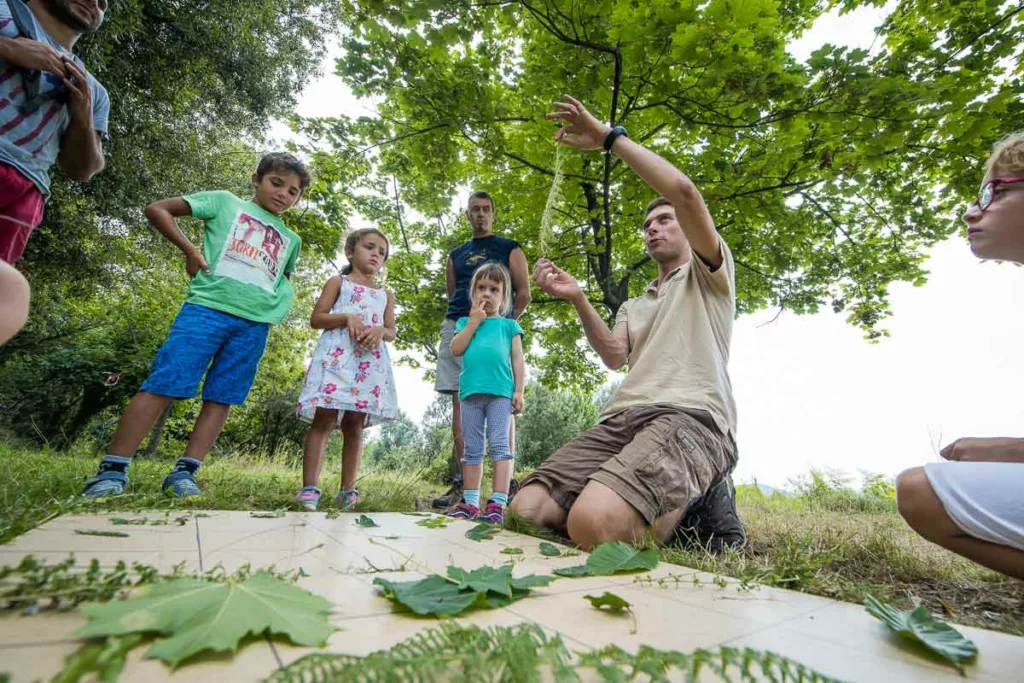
(64, 10)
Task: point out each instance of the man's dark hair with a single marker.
(655, 203)
(283, 161)
(480, 194)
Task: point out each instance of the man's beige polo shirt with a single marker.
(679, 337)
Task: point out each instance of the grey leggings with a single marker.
(497, 412)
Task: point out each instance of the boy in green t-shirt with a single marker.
(239, 288)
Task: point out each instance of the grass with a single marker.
(828, 540)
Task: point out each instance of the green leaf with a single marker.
(97, 532)
(574, 571)
(267, 515)
(434, 522)
(333, 514)
(921, 627)
(366, 522)
(482, 532)
(417, 514)
(433, 595)
(523, 583)
(119, 521)
(194, 616)
(610, 600)
(511, 551)
(549, 550)
(616, 557)
(483, 579)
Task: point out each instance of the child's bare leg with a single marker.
(137, 420)
(324, 422)
(352, 451)
(502, 475)
(472, 476)
(208, 427)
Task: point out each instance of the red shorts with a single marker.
(21, 210)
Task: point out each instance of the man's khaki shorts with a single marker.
(448, 366)
(658, 458)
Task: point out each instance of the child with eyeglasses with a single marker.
(973, 504)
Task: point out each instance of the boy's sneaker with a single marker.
(464, 511)
(105, 484)
(348, 499)
(309, 497)
(182, 484)
(494, 513)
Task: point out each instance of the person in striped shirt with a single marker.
(51, 109)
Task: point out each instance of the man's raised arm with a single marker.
(583, 131)
(611, 345)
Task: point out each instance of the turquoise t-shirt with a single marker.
(487, 361)
(249, 251)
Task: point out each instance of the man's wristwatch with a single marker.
(613, 136)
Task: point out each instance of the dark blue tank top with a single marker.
(466, 259)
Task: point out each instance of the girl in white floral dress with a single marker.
(349, 382)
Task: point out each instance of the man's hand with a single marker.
(583, 131)
(194, 262)
(518, 403)
(989, 449)
(555, 282)
(371, 337)
(35, 55)
(478, 312)
(79, 93)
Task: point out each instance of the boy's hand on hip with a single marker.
(518, 403)
(194, 262)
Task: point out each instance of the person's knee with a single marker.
(590, 525)
(535, 503)
(913, 495)
(352, 424)
(16, 294)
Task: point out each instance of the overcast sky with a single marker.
(810, 391)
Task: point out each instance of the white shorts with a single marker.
(985, 499)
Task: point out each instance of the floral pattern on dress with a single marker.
(342, 375)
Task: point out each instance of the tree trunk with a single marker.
(156, 434)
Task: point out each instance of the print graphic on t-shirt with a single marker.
(252, 252)
(474, 258)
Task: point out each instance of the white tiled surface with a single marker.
(341, 559)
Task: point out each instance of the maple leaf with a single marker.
(366, 522)
(482, 587)
(195, 615)
(482, 532)
(434, 522)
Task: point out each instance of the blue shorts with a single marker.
(201, 338)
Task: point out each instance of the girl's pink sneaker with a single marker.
(347, 499)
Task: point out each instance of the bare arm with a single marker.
(518, 365)
(322, 318)
(519, 268)
(461, 341)
(611, 345)
(390, 328)
(161, 216)
(449, 277)
(586, 132)
(81, 150)
(996, 449)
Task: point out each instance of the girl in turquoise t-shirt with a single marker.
(490, 388)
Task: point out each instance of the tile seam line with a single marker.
(199, 543)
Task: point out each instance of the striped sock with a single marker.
(500, 498)
(472, 497)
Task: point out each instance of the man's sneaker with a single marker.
(309, 497)
(452, 496)
(464, 511)
(182, 484)
(712, 522)
(348, 499)
(494, 513)
(106, 484)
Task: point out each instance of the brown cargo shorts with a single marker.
(658, 458)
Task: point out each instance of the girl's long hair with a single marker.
(353, 238)
(495, 272)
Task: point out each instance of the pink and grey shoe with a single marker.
(348, 499)
(494, 513)
(308, 497)
(464, 511)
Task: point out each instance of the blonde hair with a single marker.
(494, 272)
(353, 238)
(1008, 156)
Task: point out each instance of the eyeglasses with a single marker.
(988, 191)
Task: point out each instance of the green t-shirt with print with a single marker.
(487, 361)
(249, 251)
